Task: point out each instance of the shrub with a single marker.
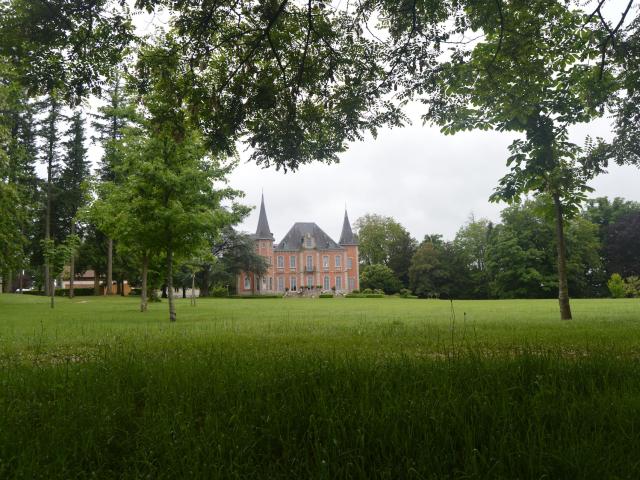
(632, 286)
(367, 291)
(405, 293)
(379, 277)
(254, 297)
(364, 295)
(32, 292)
(616, 286)
(356, 291)
(326, 295)
(219, 292)
(135, 292)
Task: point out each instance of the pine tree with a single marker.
(50, 156)
(110, 122)
(19, 180)
(73, 183)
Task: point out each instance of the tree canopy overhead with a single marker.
(64, 45)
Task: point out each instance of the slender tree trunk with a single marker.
(52, 290)
(47, 228)
(72, 273)
(143, 292)
(109, 266)
(7, 281)
(193, 290)
(72, 264)
(563, 284)
(184, 291)
(172, 307)
(96, 283)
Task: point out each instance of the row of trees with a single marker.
(512, 259)
(297, 80)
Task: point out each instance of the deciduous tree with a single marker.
(532, 73)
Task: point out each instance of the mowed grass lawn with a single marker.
(319, 388)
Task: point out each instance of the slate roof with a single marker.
(294, 239)
(263, 232)
(347, 237)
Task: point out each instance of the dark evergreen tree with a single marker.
(20, 183)
(73, 184)
(109, 123)
(50, 156)
(621, 252)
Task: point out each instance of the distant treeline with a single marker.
(515, 258)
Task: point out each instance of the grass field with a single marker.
(319, 388)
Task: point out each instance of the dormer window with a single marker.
(308, 241)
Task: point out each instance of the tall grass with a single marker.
(385, 389)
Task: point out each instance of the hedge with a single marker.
(364, 295)
(254, 296)
(64, 292)
(326, 295)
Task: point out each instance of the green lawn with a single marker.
(319, 388)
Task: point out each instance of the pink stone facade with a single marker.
(307, 258)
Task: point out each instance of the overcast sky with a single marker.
(427, 181)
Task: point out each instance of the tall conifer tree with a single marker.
(73, 183)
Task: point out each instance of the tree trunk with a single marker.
(563, 284)
(164, 291)
(47, 233)
(7, 281)
(193, 290)
(184, 291)
(172, 307)
(204, 282)
(72, 272)
(109, 266)
(72, 264)
(96, 283)
(52, 290)
(143, 291)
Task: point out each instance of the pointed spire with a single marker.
(263, 232)
(347, 237)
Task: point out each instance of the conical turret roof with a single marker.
(263, 232)
(347, 237)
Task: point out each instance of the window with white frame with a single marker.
(349, 263)
(293, 283)
(281, 284)
(338, 283)
(326, 282)
(325, 262)
(309, 281)
(270, 284)
(292, 262)
(247, 282)
(338, 261)
(280, 261)
(309, 262)
(352, 283)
